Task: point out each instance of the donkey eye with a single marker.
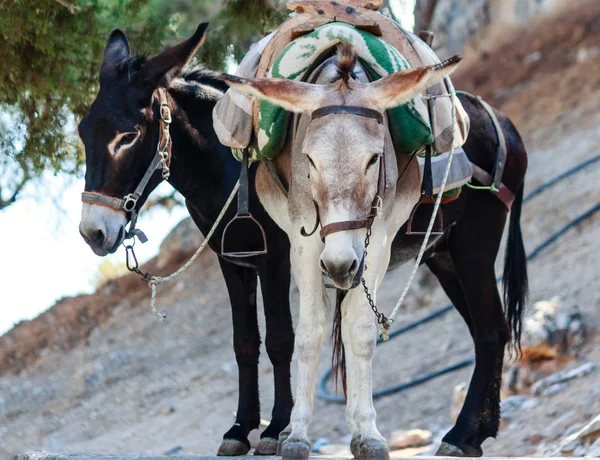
(123, 141)
(312, 163)
(126, 139)
(373, 160)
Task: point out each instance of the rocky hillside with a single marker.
(473, 25)
(99, 374)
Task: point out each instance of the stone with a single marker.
(403, 439)
(542, 386)
(554, 323)
(594, 449)
(589, 434)
(591, 430)
(552, 389)
(167, 410)
(335, 450)
(535, 438)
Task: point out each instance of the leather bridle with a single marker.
(367, 221)
(161, 160)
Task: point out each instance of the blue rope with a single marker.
(322, 389)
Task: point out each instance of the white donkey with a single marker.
(340, 161)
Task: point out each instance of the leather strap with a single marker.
(501, 151)
(349, 110)
(504, 194)
(360, 223)
(243, 192)
(376, 205)
(345, 225)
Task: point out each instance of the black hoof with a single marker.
(355, 445)
(267, 446)
(448, 450)
(371, 449)
(233, 448)
(295, 450)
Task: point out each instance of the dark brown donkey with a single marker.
(120, 134)
(463, 261)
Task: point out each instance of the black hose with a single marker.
(322, 390)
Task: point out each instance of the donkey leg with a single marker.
(310, 335)
(473, 247)
(359, 334)
(241, 285)
(275, 283)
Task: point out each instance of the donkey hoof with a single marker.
(232, 448)
(293, 449)
(355, 446)
(448, 450)
(282, 438)
(267, 446)
(372, 449)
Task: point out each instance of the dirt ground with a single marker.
(122, 382)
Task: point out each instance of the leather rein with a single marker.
(161, 161)
(367, 221)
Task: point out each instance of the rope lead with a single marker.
(154, 280)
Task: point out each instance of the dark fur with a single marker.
(338, 354)
(345, 61)
(463, 261)
(204, 171)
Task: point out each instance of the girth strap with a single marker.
(503, 194)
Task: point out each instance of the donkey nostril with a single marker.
(323, 267)
(353, 267)
(98, 237)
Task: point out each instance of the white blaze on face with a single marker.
(102, 227)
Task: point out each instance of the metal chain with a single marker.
(381, 318)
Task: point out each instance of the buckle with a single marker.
(129, 202)
(376, 208)
(165, 113)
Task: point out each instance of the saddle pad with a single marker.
(409, 123)
(460, 171)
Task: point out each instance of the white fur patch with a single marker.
(109, 221)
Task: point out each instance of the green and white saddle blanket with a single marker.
(410, 124)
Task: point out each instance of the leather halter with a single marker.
(161, 160)
(367, 221)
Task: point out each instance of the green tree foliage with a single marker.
(50, 53)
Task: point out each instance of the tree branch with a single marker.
(14, 196)
(70, 6)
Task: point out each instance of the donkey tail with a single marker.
(338, 356)
(515, 281)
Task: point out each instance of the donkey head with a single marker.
(120, 133)
(344, 150)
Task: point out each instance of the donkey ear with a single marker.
(400, 87)
(160, 70)
(293, 96)
(117, 48)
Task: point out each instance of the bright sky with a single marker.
(42, 256)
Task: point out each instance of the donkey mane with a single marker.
(194, 79)
(345, 61)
